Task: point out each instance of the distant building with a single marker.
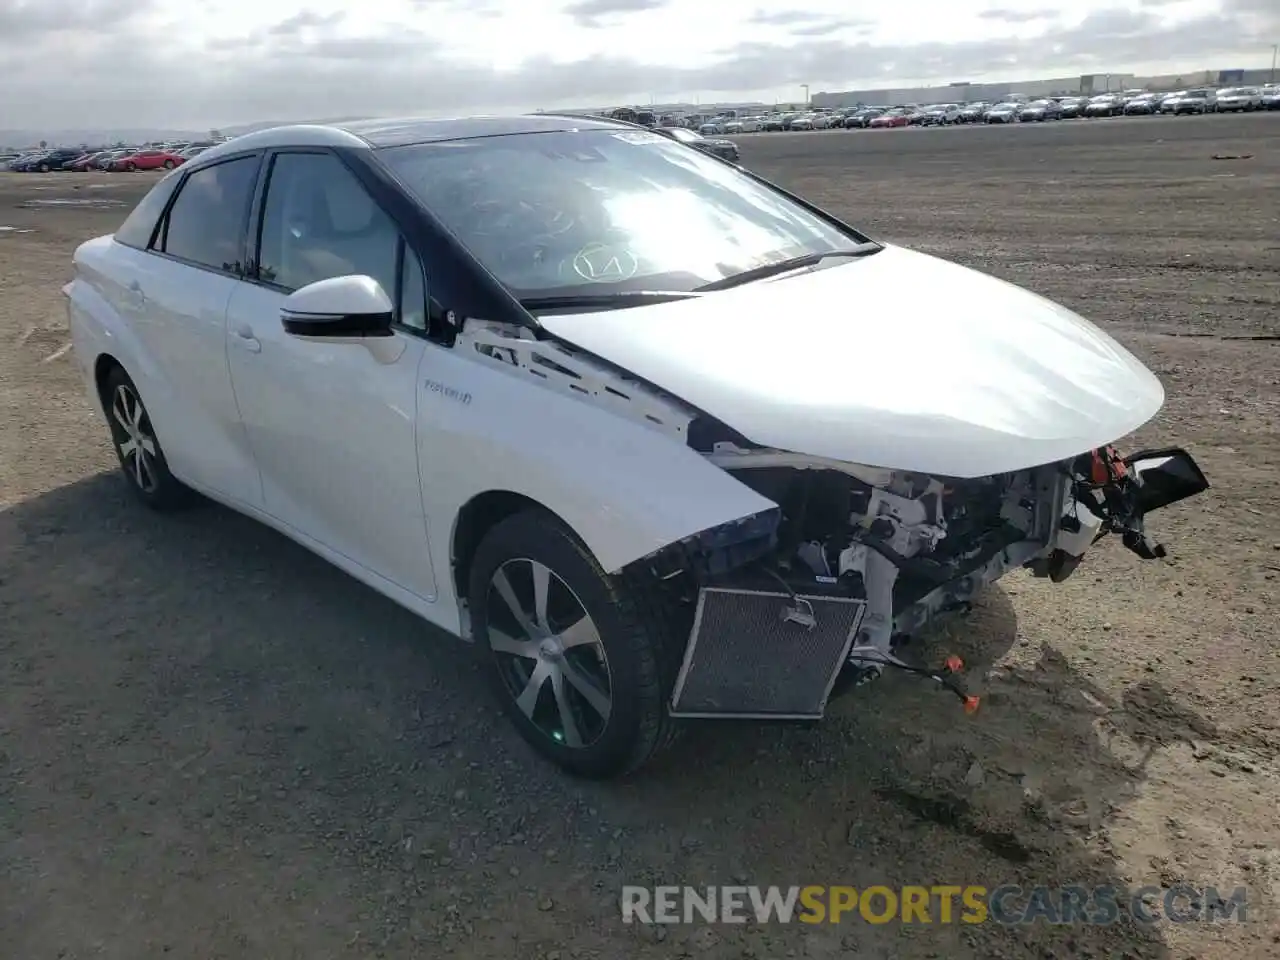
(951, 93)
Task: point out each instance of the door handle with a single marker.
(135, 291)
(247, 340)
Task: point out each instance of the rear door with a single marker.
(177, 295)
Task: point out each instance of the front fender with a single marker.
(626, 489)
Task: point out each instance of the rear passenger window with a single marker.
(138, 227)
(206, 223)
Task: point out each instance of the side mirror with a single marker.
(343, 308)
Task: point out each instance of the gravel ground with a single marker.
(214, 745)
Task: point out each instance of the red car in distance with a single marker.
(147, 160)
(88, 161)
(897, 117)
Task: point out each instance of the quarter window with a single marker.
(206, 223)
(138, 227)
(413, 292)
(319, 222)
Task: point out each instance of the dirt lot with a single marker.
(214, 745)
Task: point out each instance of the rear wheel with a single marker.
(580, 660)
(168, 164)
(137, 447)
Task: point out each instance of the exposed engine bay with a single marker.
(911, 547)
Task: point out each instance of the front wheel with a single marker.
(130, 167)
(137, 447)
(580, 660)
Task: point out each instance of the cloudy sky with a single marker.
(201, 63)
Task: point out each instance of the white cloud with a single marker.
(176, 63)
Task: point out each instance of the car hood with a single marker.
(936, 368)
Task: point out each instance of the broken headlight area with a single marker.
(782, 607)
(1107, 493)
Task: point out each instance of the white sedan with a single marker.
(594, 401)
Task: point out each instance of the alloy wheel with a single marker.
(549, 653)
(134, 438)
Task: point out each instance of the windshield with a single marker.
(599, 211)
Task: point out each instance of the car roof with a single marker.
(374, 134)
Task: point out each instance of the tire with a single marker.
(44, 168)
(138, 449)
(168, 164)
(623, 652)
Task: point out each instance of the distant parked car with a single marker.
(1193, 101)
(1105, 105)
(1271, 97)
(860, 119)
(90, 161)
(1072, 107)
(972, 112)
(1038, 111)
(1239, 99)
(147, 160)
(1145, 105)
(895, 117)
(1002, 113)
(725, 149)
(46, 161)
(941, 114)
(104, 161)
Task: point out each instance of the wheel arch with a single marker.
(473, 521)
(102, 367)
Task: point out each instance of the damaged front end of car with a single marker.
(783, 606)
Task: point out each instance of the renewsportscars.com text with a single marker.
(944, 904)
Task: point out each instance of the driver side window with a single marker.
(318, 222)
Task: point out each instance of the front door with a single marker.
(333, 427)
